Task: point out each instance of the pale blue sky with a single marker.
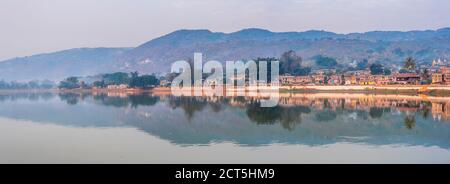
(35, 26)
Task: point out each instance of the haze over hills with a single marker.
(58, 65)
(156, 56)
(378, 46)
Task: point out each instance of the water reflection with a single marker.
(288, 117)
(311, 119)
(27, 96)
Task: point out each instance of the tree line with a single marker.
(35, 84)
(133, 80)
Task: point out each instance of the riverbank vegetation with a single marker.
(112, 80)
(36, 84)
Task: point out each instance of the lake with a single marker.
(161, 128)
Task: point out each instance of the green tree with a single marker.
(426, 76)
(362, 64)
(116, 78)
(134, 79)
(410, 64)
(325, 62)
(69, 83)
(302, 71)
(143, 81)
(410, 122)
(148, 81)
(290, 62)
(72, 79)
(387, 71)
(376, 69)
(99, 84)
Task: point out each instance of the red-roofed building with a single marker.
(407, 78)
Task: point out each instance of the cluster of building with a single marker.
(439, 75)
(113, 87)
(362, 77)
(117, 87)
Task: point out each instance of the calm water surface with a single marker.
(151, 128)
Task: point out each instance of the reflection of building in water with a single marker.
(238, 102)
(346, 103)
(440, 111)
(408, 106)
(117, 94)
(317, 104)
(351, 103)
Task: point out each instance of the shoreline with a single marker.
(286, 94)
(432, 90)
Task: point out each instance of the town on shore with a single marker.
(325, 75)
(409, 77)
(438, 74)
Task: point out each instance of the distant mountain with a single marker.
(57, 65)
(156, 56)
(388, 47)
(400, 36)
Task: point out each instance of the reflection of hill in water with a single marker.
(200, 120)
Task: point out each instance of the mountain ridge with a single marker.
(155, 56)
(59, 64)
(377, 46)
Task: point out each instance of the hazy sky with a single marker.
(35, 26)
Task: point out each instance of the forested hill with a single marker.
(156, 55)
